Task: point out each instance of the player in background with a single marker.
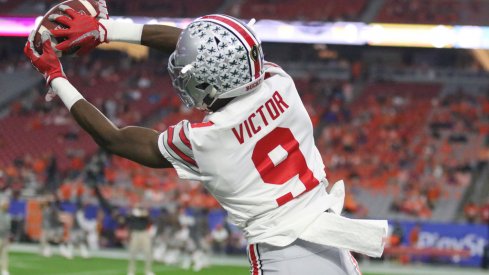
(254, 152)
(138, 223)
(78, 233)
(190, 240)
(52, 227)
(166, 226)
(140, 239)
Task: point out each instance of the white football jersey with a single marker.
(257, 157)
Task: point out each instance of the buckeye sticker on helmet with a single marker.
(254, 53)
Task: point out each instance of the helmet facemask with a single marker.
(191, 92)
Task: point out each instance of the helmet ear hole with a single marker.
(208, 100)
(210, 96)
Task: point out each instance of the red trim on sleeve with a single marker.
(184, 138)
(176, 150)
(202, 124)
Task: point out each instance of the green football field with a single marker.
(22, 263)
(33, 264)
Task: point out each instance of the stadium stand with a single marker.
(158, 8)
(292, 10)
(409, 135)
(386, 118)
(135, 98)
(168, 8)
(287, 10)
(434, 12)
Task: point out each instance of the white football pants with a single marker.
(301, 258)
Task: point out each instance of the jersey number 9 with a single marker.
(280, 170)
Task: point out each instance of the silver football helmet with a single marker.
(216, 56)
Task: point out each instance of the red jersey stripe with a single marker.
(176, 150)
(202, 124)
(184, 138)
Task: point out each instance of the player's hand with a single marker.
(83, 31)
(46, 63)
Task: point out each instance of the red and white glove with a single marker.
(88, 32)
(46, 63)
(83, 31)
(49, 66)
(103, 12)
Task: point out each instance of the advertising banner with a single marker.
(444, 242)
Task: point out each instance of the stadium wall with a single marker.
(428, 242)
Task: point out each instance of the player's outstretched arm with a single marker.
(160, 37)
(134, 143)
(138, 144)
(87, 32)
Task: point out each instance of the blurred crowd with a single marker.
(450, 12)
(384, 138)
(456, 12)
(418, 143)
(345, 10)
(415, 142)
(476, 212)
(77, 221)
(415, 145)
(53, 191)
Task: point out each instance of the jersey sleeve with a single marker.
(175, 146)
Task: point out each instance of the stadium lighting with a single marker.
(345, 33)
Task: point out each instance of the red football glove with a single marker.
(47, 63)
(83, 31)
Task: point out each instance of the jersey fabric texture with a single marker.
(257, 157)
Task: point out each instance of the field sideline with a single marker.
(24, 262)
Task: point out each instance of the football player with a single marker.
(254, 151)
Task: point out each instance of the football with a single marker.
(89, 7)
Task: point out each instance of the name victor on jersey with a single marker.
(272, 109)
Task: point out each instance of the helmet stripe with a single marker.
(244, 33)
(249, 36)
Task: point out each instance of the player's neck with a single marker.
(220, 103)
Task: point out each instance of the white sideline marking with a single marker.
(122, 254)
